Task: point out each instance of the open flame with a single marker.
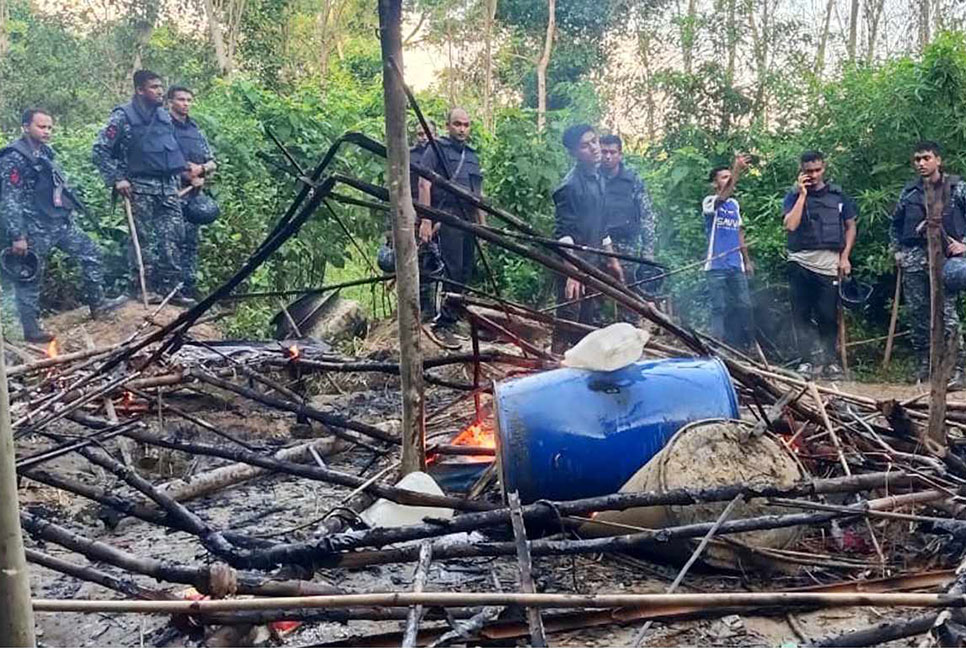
(294, 352)
(478, 434)
(51, 349)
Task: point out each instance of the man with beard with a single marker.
(138, 156)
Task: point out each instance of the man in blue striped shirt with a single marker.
(727, 262)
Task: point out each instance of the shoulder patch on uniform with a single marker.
(15, 176)
(111, 131)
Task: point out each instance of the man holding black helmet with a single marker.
(37, 211)
(820, 221)
(198, 208)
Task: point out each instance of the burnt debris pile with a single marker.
(264, 477)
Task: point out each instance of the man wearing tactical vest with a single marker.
(200, 164)
(37, 211)
(456, 246)
(138, 156)
(820, 221)
(908, 238)
(630, 215)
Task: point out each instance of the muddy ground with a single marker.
(284, 508)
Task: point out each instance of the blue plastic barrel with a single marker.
(570, 433)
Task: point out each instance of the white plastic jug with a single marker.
(608, 349)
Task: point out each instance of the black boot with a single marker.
(102, 307)
(32, 331)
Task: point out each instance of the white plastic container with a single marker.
(608, 349)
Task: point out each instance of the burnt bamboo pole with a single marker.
(333, 420)
(621, 543)
(404, 242)
(704, 601)
(548, 512)
(16, 615)
(125, 585)
(200, 577)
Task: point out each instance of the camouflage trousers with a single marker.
(42, 238)
(189, 256)
(161, 232)
(915, 287)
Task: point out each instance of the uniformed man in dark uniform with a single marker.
(908, 238)
(630, 215)
(200, 164)
(819, 219)
(37, 211)
(456, 247)
(580, 208)
(430, 262)
(138, 156)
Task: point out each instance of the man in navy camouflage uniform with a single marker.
(908, 238)
(138, 156)
(37, 211)
(200, 164)
(629, 213)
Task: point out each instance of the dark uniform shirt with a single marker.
(110, 155)
(416, 157)
(19, 179)
(630, 214)
(464, 169)
(579, 204)
(193, 142)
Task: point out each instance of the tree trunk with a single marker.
(941, 357)
(923, 24)
(853, 28)
(404, 243)
(823, 39)
(732, 47)
(488, 62)
(217, 37)
(873, 12)
(3, 27)
(543, 64)
(649, 103)
(687, 36)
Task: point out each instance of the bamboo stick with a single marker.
(705, 601)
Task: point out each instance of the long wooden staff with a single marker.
(137, 250)
(887, 358)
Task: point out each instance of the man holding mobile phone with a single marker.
(819, 219)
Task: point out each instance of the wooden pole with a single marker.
(938, 364)
(16, 613)
(404, 242)
(137, 250)
(887, 358)
(705, 601)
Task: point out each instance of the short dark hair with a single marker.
(28, 115)
(713, 174)
(610, 139)
(449, 113)
(571, 136)
(179, 88)
(141, 78)
(928, 145)
(811, 156)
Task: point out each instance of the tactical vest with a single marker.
(153, 151)
(623, 215)
(914, 213)
(191, 141)
(45, 178)
(821, 227)
(464, 167)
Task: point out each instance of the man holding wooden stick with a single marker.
(908, 238)
(138, 156)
